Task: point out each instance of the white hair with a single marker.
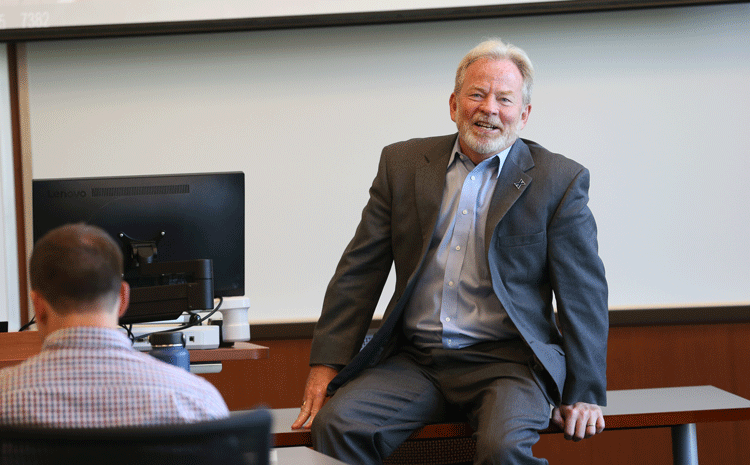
(495, 49)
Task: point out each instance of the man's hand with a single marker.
(579, 421)
(315, 395)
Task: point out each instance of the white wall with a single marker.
(655, 102)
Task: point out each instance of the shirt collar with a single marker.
(87, 337)
(500, 156)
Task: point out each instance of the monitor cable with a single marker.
(194, 320)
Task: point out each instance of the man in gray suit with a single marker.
(484, 229)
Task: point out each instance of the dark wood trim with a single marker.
(680, 316)
(15, 117)
(286, 331)
(617, 318)
(344, 19)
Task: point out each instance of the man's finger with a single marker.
(600, 424)
(301, 419)
(590, 429)
(304, 414)
(580, 428)
(571, 424)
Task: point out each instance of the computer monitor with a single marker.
(183, 235)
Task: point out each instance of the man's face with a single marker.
(489, 109)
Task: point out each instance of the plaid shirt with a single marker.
(92, 377)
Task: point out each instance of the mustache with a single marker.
(488, 121)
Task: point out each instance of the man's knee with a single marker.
(507, 447)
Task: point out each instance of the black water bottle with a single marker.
(170, 348)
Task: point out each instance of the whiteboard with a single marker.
(655, 104)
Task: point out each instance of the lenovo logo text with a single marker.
(66, 194)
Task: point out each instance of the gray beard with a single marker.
(493, 146)
(490, 147)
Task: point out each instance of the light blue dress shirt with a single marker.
(453, 305)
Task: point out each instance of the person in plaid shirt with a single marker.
(87, 373)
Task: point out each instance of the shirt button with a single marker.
(458, 247)
(473, 178)
(448, 319)
(450, 283)
(465, 212)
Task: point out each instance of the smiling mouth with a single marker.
(486, 126)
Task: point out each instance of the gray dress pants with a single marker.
(495, 384)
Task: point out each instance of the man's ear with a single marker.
(41, 308)
(453, 105)
(124, 298)
(524, 117)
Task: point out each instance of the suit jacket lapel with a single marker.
(429, 185)
(511, 183)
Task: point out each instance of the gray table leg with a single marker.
(684, 445)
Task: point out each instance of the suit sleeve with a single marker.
(578, 280)
(353, 292)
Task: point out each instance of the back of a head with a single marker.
(76, 264)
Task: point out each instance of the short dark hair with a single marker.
(76, 264)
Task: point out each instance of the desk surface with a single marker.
(298, 455)
(632, 408)
(17, 347)
(629, 408)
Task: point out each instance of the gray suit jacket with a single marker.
(540, 238)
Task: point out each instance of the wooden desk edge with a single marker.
(664, 419)
(17, 347)
(293, 438)
(240, 351)
(289, 438)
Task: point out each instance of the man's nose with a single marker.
(489, 105)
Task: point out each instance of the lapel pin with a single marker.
(519, 184)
